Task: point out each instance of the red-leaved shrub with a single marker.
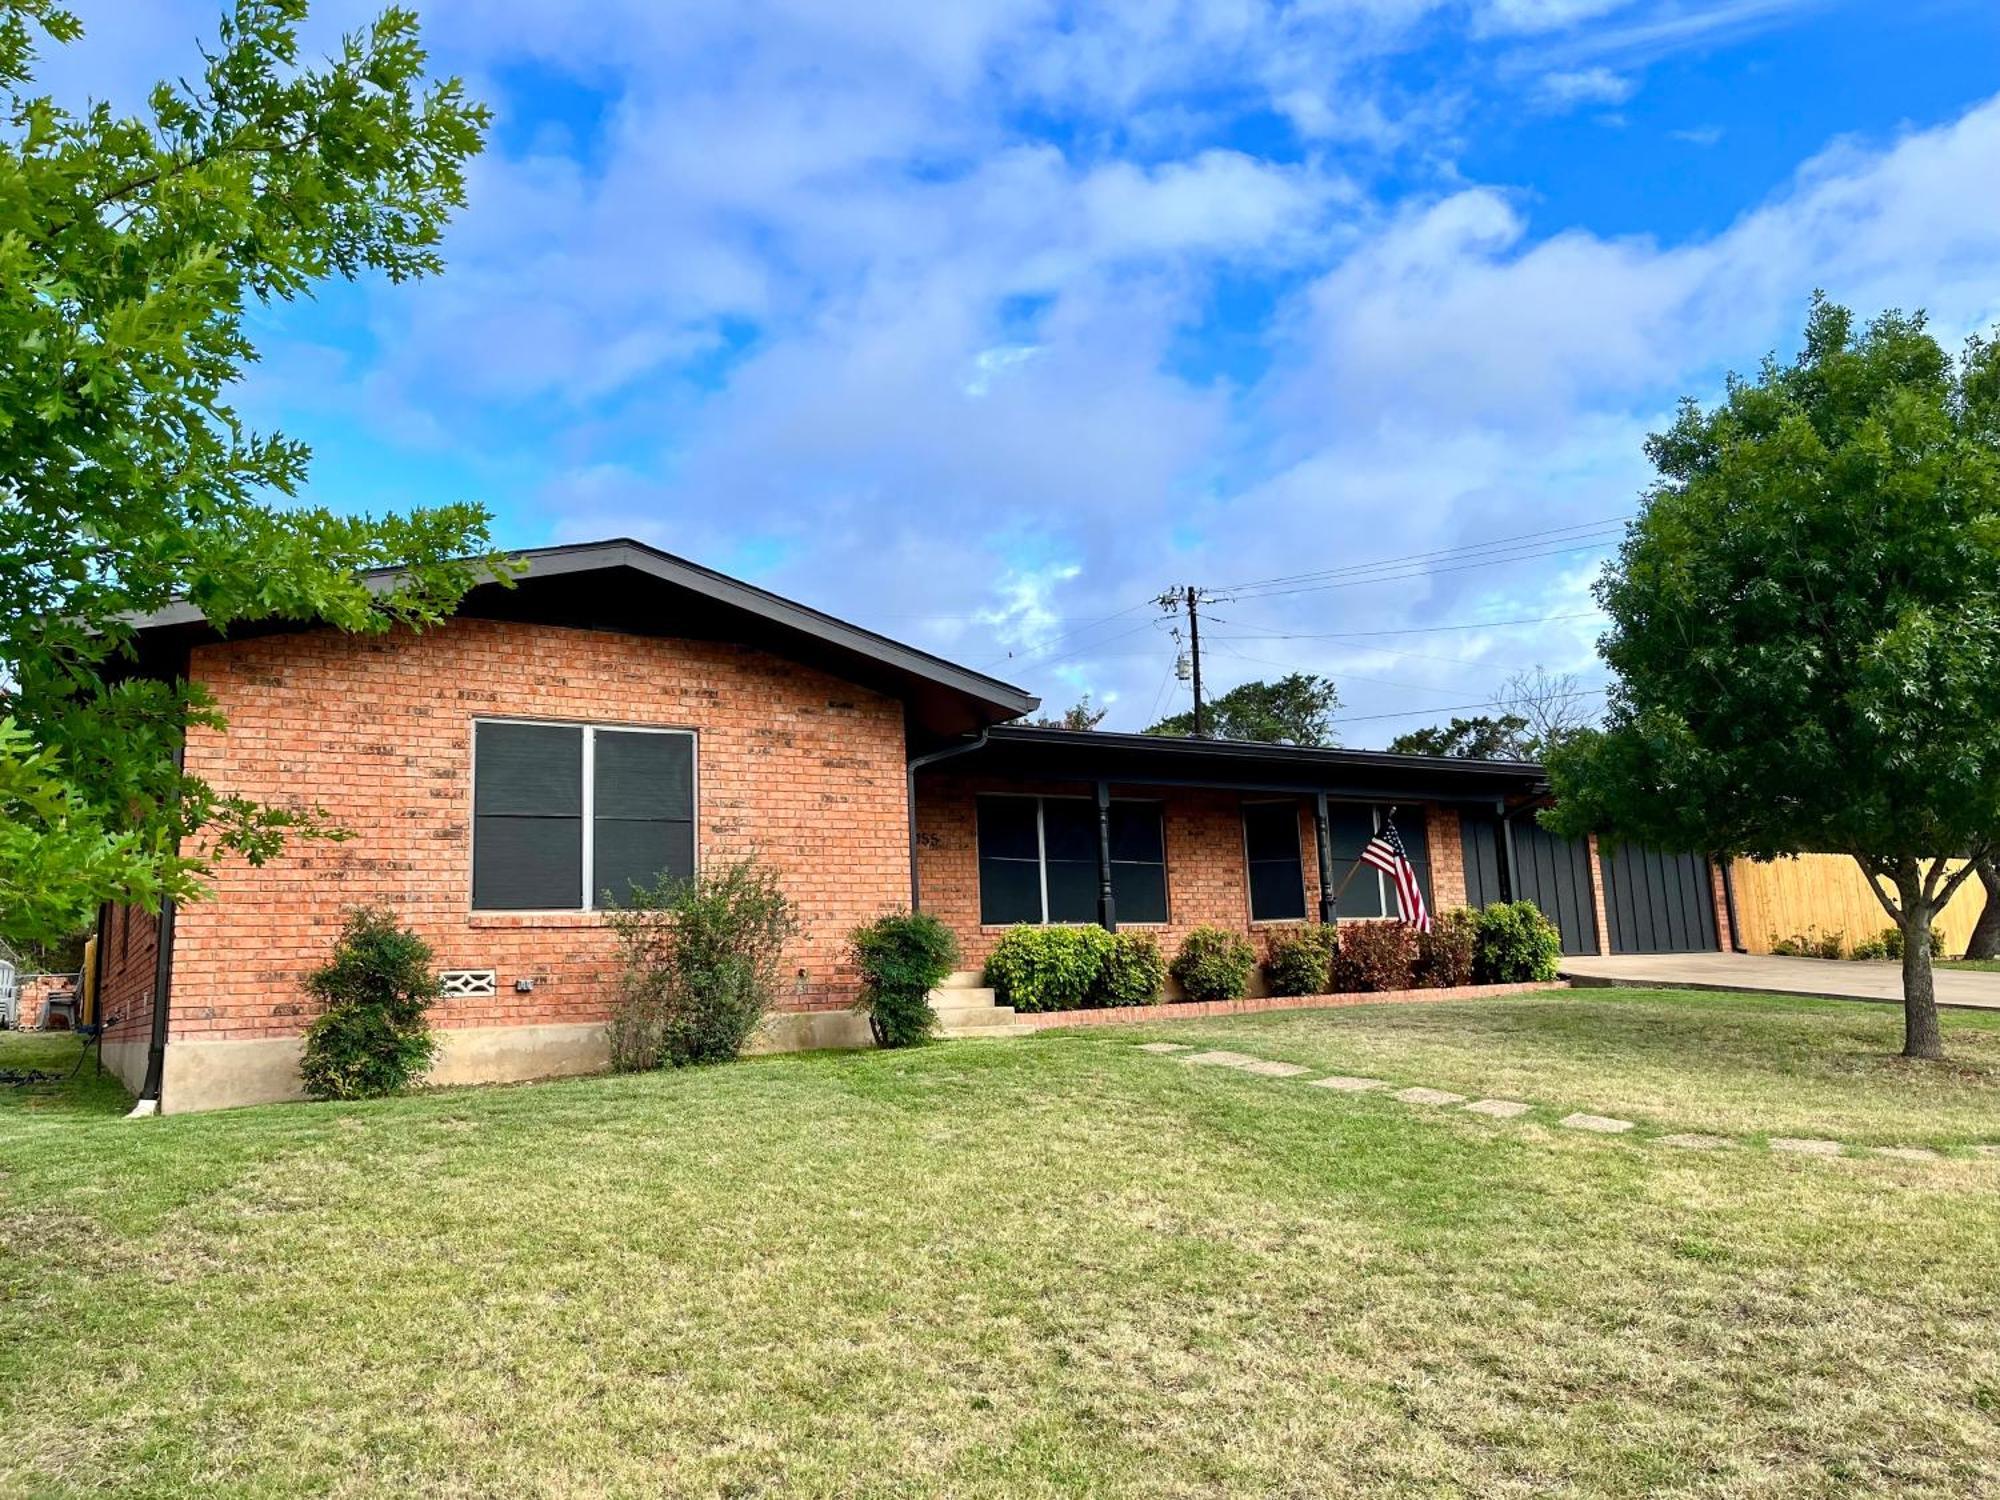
(1375, 956)
(1444, 954)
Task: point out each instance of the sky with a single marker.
(982, 324)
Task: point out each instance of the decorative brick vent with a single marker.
(455, 982)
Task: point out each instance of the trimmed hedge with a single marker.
(1375, 956)
(1300, 961)
(1134, 971)
(1445, 953)
(1214, 965)
(1516, 944)
(1047, 968)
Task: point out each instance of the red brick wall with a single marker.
(798, 767)
(128, 951)
(1207, 883)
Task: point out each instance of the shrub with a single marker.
(1133, 973)
(1047, 968)
(373, 1036)
(1888, 943)
(902, 958)
(1812, 943)
(1375, 956)
(700, 965)
(1445, 953)
(1214, 965)
(1516, 944)
(1300, 961)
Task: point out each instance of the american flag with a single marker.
(1386, 853)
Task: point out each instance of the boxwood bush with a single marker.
(1214, 965)
(1300, 960)
(1047, 968)
(1516, 944)
(1375, 956)
(902, 958)
(1133, 973)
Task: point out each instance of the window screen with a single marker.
(642, 823)
(1352, 824)
(1413, 826)
(1032, 847)
(1271, 850)
(1138, 862)
(532, 805)
(527, 817)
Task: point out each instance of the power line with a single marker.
(1505, 542)
(1452, 708)
(1355, 635)
(1349, 583)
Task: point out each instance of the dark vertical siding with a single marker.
(1554, 873)
(1658, 902)
(1479, 837)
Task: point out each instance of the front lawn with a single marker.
(1055, 1265)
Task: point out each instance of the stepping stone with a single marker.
(1348, 1085)
(1986, 1150)
(1428, 1096)
(1805, 1147)
(1221, 1059)
(1907, 1153)
(1164, 1047)
(1696, 1142)
(1499, 1109)
(1602, 1124)
(1275, 1069)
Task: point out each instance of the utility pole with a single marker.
(1173, 601)
(1194, 646)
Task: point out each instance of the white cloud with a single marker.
(1567, 90)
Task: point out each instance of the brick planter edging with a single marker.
(1188, 1010)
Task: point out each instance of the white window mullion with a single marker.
(589, 811)
(1042, 855)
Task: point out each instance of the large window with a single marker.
(552, 802)
(1370, 893)
(1271, 851)
(1038, 860)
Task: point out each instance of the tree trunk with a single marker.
(1985, 941)
(1921, 1037)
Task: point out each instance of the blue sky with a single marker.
(982, 323)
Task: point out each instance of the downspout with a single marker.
(1729, 906)
(917, 764)
(163, 984)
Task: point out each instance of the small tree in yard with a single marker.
(132, 254)
(1806, 629)
(373, 1033)
(700, 965)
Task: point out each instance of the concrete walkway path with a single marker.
(1768, 973)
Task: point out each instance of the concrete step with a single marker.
(963, 979)
(956, 999)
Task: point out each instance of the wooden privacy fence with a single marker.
(1829, 892)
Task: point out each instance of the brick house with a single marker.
(620, 712)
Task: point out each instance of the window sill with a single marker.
(505, 920)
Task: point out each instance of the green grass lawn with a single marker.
(1976, 965)
(1048, 1266)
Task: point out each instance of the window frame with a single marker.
(1386, 896)
(1042, 855)
(588, 813)
(1249, 886)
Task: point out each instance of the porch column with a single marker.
(1107, 906)
(1506, 852)
(1323, 837)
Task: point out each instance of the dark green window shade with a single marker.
(643, 811)
(1010, 860)
(1069, 842)
(1352, 825)
(1138, 862)
(527, 817)
(1271, 849)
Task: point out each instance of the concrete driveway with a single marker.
(1833, 979)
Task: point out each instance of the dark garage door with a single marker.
(1657, 902)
